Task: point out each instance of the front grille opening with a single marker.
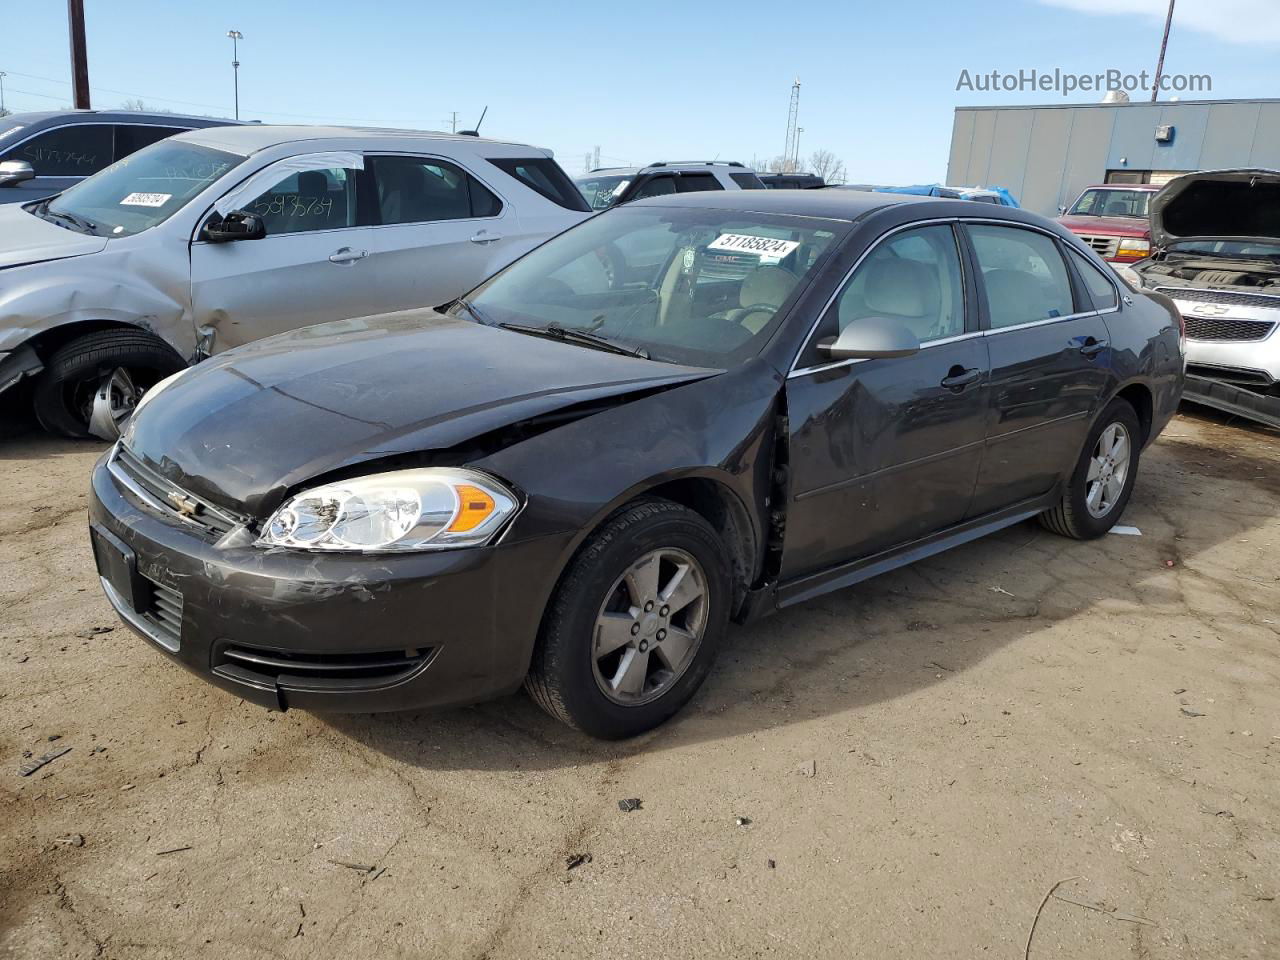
(334, 670)
(160, 495)
(1271, 302)
(1240, 375)
(164, 611)
(1103, 246)
(1228, 331)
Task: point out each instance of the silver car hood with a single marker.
(1219, 204)
(25, 238)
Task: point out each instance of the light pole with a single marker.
(1164, 45)
(236, 36)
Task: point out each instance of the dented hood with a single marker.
(25, 238)
(245, 427)
(1236, 204)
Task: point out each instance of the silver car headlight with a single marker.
(433, 508)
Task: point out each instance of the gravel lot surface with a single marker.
(916, 762)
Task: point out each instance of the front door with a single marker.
(887, 451)
(311, 267)
(440, 232)
(1049, 364)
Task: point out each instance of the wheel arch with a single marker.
(1139, 396)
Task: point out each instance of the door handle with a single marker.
(484, 236)
(347, 255)
(960, 377)
(1092, 346)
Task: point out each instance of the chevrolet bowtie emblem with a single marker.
(1210, 309)
(184, 505)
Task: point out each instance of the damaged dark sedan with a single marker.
(686, 411)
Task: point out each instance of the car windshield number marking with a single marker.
(146, 199)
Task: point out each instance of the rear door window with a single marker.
(656, 187)
(697, 182)
(747, 181)
(1023, 274)
(76, 150)
(426, 189)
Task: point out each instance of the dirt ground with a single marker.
(916, 762)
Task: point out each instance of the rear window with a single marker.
(747, 181)
(543, 175)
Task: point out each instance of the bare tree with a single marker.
(828, 166)
(138, 104)
(781, 164)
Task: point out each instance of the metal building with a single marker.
(1045, 155)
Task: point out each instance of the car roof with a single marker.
(251, 139)
(1153, 187)
(829, 204)
(113, 116)
(731, 165)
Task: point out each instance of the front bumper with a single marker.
(353, 633)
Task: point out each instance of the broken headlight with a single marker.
(434, 508)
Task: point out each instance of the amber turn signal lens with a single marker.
(474, 506)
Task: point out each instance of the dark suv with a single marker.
(44, 153)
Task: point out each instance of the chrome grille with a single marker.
(1102, 246)
(160, 494)
(1222, 296)
(164, 611)
(1227, 330)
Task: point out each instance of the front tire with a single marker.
(121, 364)
(1102, 482)
(634, 625)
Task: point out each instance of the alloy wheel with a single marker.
(1108, 470)
(650, 627)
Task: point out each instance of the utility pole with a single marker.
(79, 57)
(236, 36)
(595, 158)
(793, 137)
(795, 163)
(454, 122)
(3, 111)
(1164, 45)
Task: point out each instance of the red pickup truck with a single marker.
(1112, 218)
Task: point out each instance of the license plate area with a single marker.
(118, 565)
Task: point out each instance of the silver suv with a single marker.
(607, 187)
(216, 237)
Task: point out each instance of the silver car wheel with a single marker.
(1108, 470)
(650, 627)
(113, 404)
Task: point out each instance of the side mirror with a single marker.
(1062, 210)
(15, 171)
(871, 338)
(236, 225)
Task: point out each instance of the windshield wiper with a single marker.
(553, 331)
(79, 222)
(470, 307)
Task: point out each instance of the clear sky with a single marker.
(642, 81)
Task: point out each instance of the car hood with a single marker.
(1223, 204)
(1106, 226)
(25, 238)
(246, 427)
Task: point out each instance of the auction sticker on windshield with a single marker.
(146, 199)
(769, 249)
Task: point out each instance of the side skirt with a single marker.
(780, 596)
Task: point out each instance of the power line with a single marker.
(185, 103)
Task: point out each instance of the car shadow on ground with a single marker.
(902, 632)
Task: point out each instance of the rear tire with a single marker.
(1097, 493)
(64, 391)
(579, 677)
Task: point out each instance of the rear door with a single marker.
(887, 451)
(1050, 363)
(439, 231)
(312, 266)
